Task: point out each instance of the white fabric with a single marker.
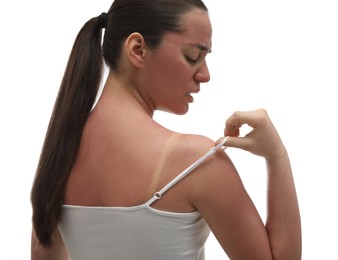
(139, 232)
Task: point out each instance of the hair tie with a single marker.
(102, 20)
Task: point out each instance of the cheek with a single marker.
(171, 60)
(170, 66)
(178, 72)
(170, 71)
(169, 79)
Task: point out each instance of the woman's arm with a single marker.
(221, 198)
(57, 251)
(283, 218)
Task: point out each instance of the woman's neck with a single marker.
(119, 91)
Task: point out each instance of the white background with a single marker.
(280, 55)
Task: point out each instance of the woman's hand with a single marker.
(262, 140)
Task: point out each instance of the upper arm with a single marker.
(57, 251)
(219, 195)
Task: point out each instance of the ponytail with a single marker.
(75, 99)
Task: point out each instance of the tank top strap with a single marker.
(188, 170)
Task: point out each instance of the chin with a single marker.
(177, 111)
(181, 113)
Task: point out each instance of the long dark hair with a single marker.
(79, 88)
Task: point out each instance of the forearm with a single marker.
(283, 218)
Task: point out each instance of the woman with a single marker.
(108, 183)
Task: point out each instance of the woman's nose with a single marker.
(202, 74)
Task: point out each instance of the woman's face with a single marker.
(176, 68)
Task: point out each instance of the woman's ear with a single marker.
(136, 49)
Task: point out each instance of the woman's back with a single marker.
(123, 160)
(119, 168)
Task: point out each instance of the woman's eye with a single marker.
(190, 60)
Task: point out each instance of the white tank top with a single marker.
(140, 232)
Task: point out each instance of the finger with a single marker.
(232, 130)
(238, 142)
(219, 140)
(240, 118)
(235, 142)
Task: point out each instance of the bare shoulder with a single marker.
(187, 148)
(195, 143)
(182, 150)
(217, 192)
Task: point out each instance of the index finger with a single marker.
(239, 118)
